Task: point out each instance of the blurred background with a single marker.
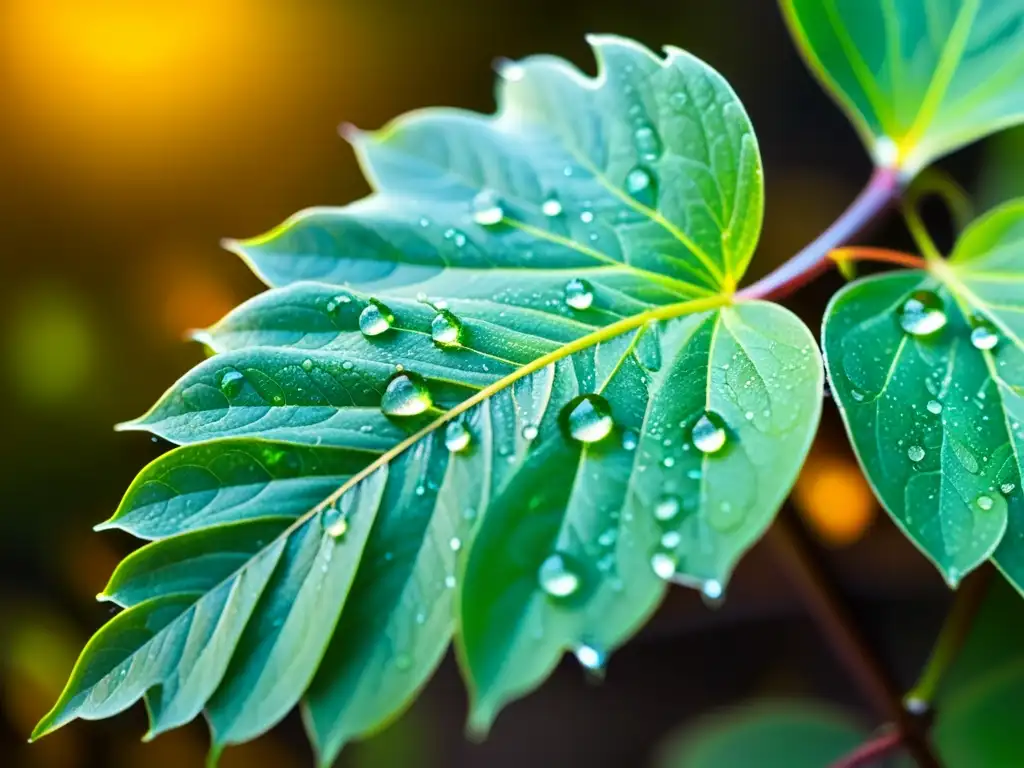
(137, 133)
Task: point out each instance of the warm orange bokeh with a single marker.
(833, 497)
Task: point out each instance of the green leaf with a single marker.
(935, 411)
(650, 170)
(919, 78)
(980, 725)
(765, 734)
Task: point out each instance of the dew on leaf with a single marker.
(487, 210)
(530, 432)
(712, 589)
(984, 503)
(630, 440)
(641, 186)
(455, 544)
(551, 206)
(708, 434)
(446, 329)
(231, 383)
(558, 576)
(1007, 487)
(457, 437)
(934, 407)
(587, 216)
(406, 395)
(307, 365)
(664, 565)
(648, 143)
(922, 314)
(667, 508)
(915, 453)
(671, 539)
(587, 418)
(375, 319)
(984, 335)
(450, 582)
(403, 661)
(590, 658)
(579, 294)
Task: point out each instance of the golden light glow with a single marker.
(834, 499)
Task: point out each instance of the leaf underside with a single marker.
(936, 419)
(919, 78)
(388, 450)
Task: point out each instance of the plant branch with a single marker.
(952, 636)
(882, 255)
(881, 191)
(871, 751)
(834, 619)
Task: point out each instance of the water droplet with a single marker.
(934, 407)
(922, 314)
(307, 365)
(708, 433)
(671, 539)
(406, 395)
(558, 577)
(1007, 487)
(590, 658)
(648, 144)
(712, 589)
(446, 329)
(338, 528)
(403, 662)
(579, 294)
(984, 335)
(457, 437)
(424, 222)
(664, 565)
(231, 383)
(984, 503)
(587, 418)
(915, 453)
(450, 582)
(587, 216)
(641, 186)
(608, 537)
(667, 508)
(487, 210)
(630, 440)
(530, 432)
(551, 206)
(375, 319)
(455, 543)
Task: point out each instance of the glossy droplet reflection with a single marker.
(915, 453)
(934, 407)
(590, 658)
(664, 565)
(641, 186)
(579, 294)
(457, 437)
(709, 434)
(375, 319)
(667, 508)
(587, 418)
(985, 503)
(551, 206)
(446, 329)
(406, 395)
(984, 335)
(922, 314)
(487, 210)
(558, 576)
(231, 383)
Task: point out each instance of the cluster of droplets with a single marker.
(923, 314)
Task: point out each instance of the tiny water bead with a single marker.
(630, 440)
(530, 432)
(587, 418)
(590, 658)
(934, 407)
(457, 437)
(307, 365)
(984, 335)
(334, 305)
(446, 329)
(984, 503)
(641, 186)
(375, 319)
(712, 589)
(671, 539)
(922, 314)
(551, 206)
(667, 508)
(231, 383)
(558, 576)
(579, 294)
(487, 210)
(406, 395)
(664, 565)
(648, 143)
(709, 434)
(455, 544)
(915, 453)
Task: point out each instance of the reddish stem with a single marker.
(883, 255)
(869, 752)
(813, 260)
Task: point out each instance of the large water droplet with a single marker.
(915, 453)
(984, 335)
(587, 418)
(446, 329)
(406, 395)
(457, 437)
(922, 314)
(551, 206)
(934, 407)
(338, 528)
(375, 318)
(558, 577)
(664, 565)
(709, 433)
(579, 294)
(487, 210)
(642, 187)
(231, 383)
(984, 503)
(667, 508)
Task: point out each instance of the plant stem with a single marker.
(883, 188)
(871, 751)
(882, 255)
(834, 619)
(954, 632)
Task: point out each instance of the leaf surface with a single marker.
(935, 411)
(919, 78)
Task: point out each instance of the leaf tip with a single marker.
(231, 244)
(350, 133)
(202, 336)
